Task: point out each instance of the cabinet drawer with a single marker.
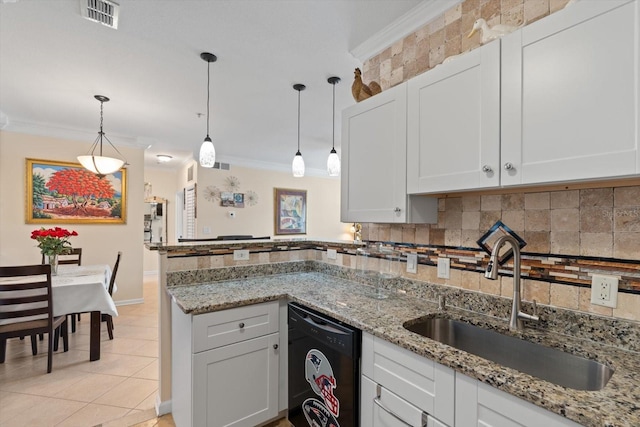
(212, 330)
(420, 381)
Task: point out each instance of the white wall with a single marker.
(99, 242)
(163, 185)
(323, 204)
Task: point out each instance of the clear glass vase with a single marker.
(52, 260)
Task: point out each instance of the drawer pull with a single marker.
(241, 325)
(393, 414)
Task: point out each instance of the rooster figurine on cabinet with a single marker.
(361, 91)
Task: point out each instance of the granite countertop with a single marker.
(618, 404)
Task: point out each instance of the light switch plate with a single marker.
(412, 263)
(604, 290)
(444, 264)
(241, 255)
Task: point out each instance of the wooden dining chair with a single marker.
(26, 308)
(107, 317)
(73, 257)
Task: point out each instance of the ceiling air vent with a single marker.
(103, 11)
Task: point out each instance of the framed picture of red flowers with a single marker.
(64, 192)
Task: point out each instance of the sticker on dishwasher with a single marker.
(319, 374)
(317, 414)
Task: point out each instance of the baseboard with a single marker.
(162, 408)
(130, 301)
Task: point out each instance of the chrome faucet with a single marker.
(517, 316)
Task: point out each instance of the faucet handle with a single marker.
(442, 302)
(535, 308)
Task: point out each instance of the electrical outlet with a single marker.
(332, 254)
(206, 230)
(412, 263)
(444, 264)
(604, 290)
(241, 255)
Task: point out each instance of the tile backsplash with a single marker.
(446, 35)
(570, 235)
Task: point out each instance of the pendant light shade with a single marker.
(96, 162)
(207, 156)
(297, 166)
(333, 161)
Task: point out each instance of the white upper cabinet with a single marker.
(374, 155)
(570, 95)
(454, 124)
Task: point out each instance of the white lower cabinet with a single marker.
(401, 388)
(478, 404)
(226, 366)
(236, 385)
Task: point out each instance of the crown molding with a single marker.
(53, 131)
(401, 27)
(278, 167)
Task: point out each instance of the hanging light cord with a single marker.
(102, 134)
(333, 136)
(298, 122)
(208, 91)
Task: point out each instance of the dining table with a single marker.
(82, 289)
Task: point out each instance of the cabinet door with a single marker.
(453, 131)
(417, 380)
(478, 404)
(236, 385)
(374, 154)
(570, 95)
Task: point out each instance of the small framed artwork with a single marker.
(63, 192)
(226, 198)
(488, 240)
(238, 200)
(290, 211)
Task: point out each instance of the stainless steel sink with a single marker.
(539, 361)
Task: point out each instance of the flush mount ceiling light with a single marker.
(99, 164)
(164, 158)
(207, 150)
(298, 163)
(333, 161)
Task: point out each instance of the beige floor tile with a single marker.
(47, 412)
(45, 384)
(149, 402)
(129, 394)
(149, 372)
(93, 414)
(91, 387)
(122, 345)
(136, 332)
(117, 364)
(149, 349)
(13, 404)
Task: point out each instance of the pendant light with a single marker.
(298, 164)
(333, 162)
(207, 156)
(97, 163)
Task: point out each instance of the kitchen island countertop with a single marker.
(615, 405)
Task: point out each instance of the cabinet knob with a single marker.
(487, 169)
(275, 346)
(508, 166)
(241, 325)
(397, 210)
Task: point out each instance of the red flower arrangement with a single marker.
(54, 241)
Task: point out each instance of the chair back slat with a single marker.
(113, 273)
(24, 296)
(25, 313)
(29, 299)
(73, 257)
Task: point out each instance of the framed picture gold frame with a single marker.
(290, 211)
(66, 193)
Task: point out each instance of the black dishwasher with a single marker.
(324, 370)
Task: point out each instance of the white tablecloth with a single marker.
(78, 289)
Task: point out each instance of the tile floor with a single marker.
(122, 385)
(119, 390)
